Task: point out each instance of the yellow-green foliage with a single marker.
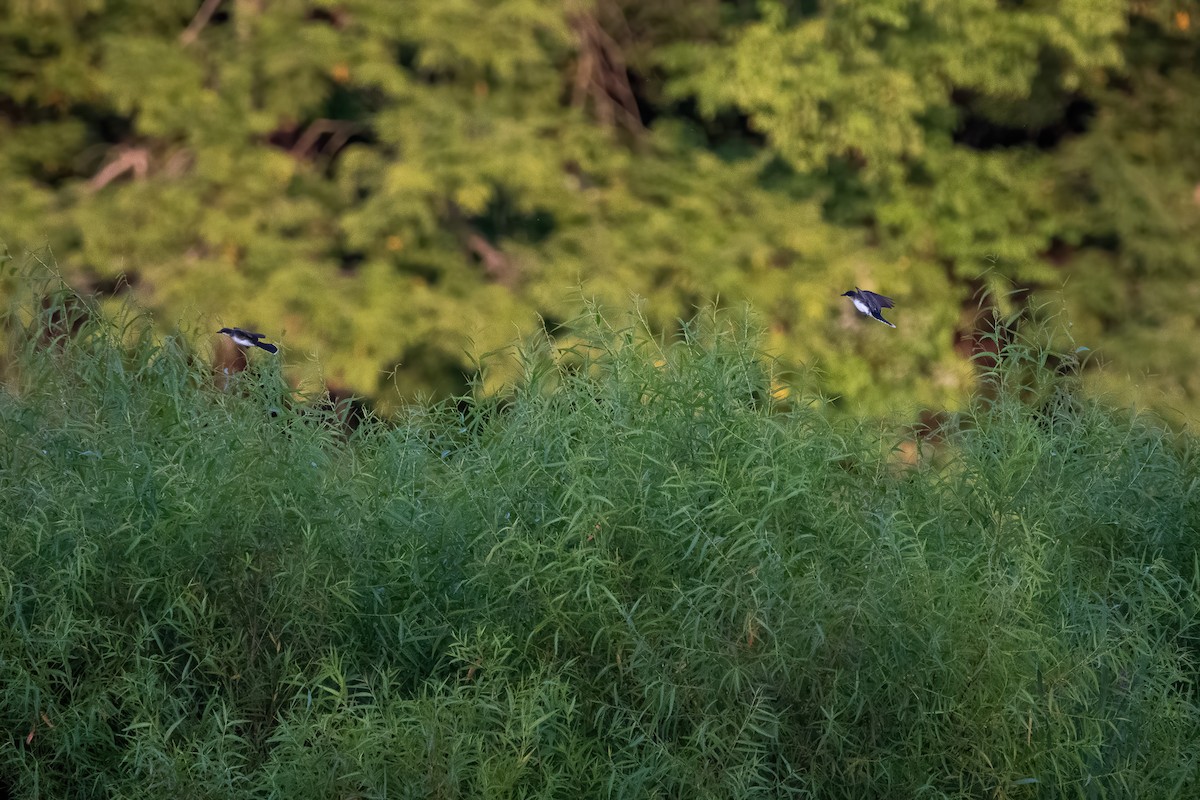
(393, 185)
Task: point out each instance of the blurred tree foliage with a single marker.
(393, 184)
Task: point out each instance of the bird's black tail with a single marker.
(270, 348)
(879, 317)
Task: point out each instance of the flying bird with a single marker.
(247, 339)
(870, 303)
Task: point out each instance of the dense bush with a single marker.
(386, 181)
(648, 570)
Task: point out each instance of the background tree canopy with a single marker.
(394, 184)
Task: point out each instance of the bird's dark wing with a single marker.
(880, 300)
(261, 335)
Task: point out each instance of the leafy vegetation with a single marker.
(392, 185)
(650, 568)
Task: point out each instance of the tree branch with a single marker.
(601, 74)
(496, 264)
(339, 132)
(199, 22)
(135, 159)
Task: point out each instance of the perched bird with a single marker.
(247, 339)
(870, 303)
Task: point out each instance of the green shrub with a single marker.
(639, 573)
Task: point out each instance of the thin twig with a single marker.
(199, 22)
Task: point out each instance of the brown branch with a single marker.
(228, 360)
(495, 263)
(199, 22)
(583, 77)
(603, 75)
(135, 159)
(339, 133)
(179, 162)
(498, 265)
(622, 20)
